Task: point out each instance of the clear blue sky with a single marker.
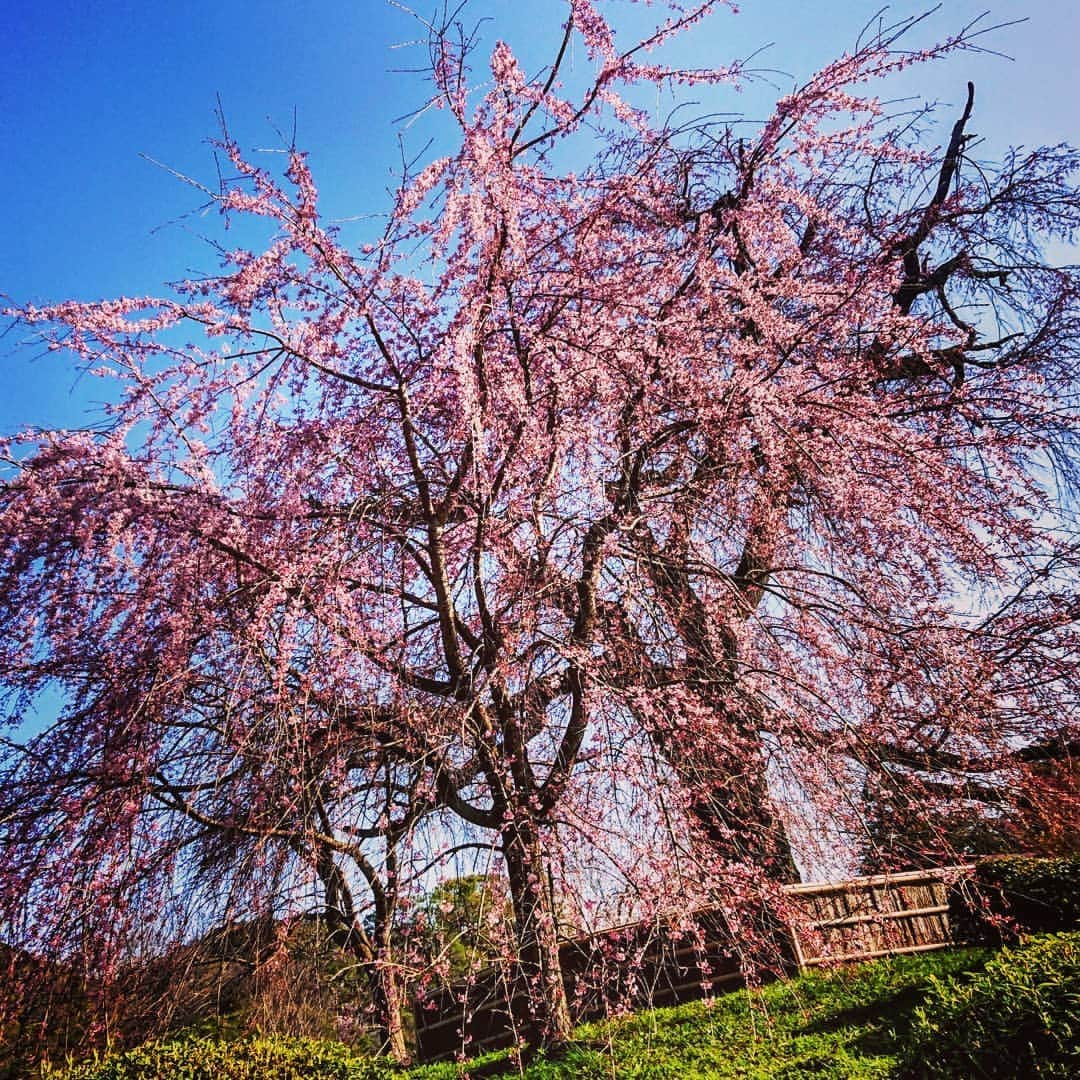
(87, 87)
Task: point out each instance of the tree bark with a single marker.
(732, 808)
(721, 768)
(538, 981)
(386, 986)
(376, 957)
(729, 799)
(388, 991)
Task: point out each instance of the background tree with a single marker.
(467, 921)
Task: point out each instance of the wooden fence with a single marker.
(646, 965)
(872, 916)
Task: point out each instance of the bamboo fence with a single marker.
(870, 917)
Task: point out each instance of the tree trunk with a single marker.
(722, 766)
(389, 992)
(374, 954)
(723, 771)
(731, 807)
(538, 981)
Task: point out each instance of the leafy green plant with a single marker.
(1019, 1016)
(468, 922)
(1034, 895)
(959, 1013)
(256, 1058)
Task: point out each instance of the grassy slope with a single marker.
(840, 1024)
(852, 1023)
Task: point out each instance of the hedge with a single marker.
(1017, 892)
(255, 1058)
(1019, 1016)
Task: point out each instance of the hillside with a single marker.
(963, 1013)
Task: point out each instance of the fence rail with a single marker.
(644, 965)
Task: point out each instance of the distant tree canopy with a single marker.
(468, 923)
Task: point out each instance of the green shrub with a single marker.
(1037, 895)
(256, 1058)
(1019, 1016)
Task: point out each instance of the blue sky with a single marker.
(87, 87)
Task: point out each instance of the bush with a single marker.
(1036, 895)
(255, 1058)
(1019, 1016)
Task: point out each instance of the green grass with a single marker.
(848, 1023)
(893, 1018)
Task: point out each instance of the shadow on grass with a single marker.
(884, 1023)
(881, 1023)
(513, 1064)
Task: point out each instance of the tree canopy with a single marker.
(648, 498)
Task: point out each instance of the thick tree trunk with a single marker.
(732, 809)
(721, 766)
(723, 771)
(538, 980)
